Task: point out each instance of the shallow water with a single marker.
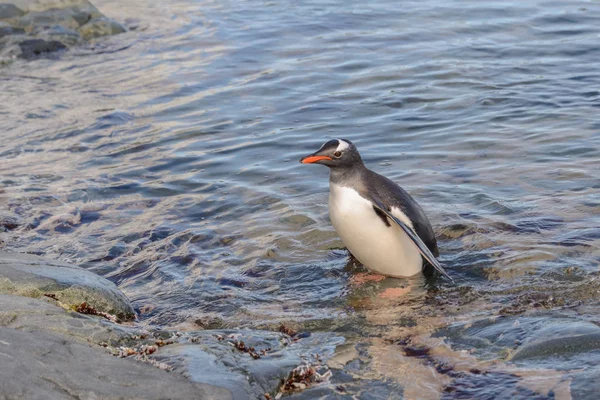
(166, 159)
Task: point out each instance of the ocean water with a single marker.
(166, 159)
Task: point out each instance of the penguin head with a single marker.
(336, 153)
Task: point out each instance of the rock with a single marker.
(66, 37)
(35, 47)
(585, 384)
(534, 341)
(34, 276)
(560, 338)
(8, 221)
(41, 27)
(43, 5)
(567, 345)
(29, 314)
(212, 357)
(39, 20)
(100, 27)
(205, 357)
(8, 10)
(50, 357)
(43, 366)
(490, 338)
(200, 366)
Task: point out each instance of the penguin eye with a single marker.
(337, 154)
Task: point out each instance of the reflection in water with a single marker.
(166, 160)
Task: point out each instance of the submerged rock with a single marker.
(242, 363)
(35, 47)
(10, 11)
(249, 363)
(562, 339)
(537, 341)
(37, 338)
(34, 28)
(8, 221)
(66, 37)
(33, 276)
(100, 27)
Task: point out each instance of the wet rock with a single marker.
(200, 366)
(585, 385)
(7, 30)
(213, 356)
(9, 221)
(64, 36)
(567, 345)
(35, 47)
(38, 315)
(559, 338)
(210, 323)
(34, 28)
(34, 276)
(497, 386)
(100, 27)
(45, 362)
(532, 341)
(37, 20)
(491, 338)
(8, 10)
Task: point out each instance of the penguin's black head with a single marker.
(337, 153)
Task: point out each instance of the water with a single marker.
(166, 159)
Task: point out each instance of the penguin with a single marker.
(382, 226)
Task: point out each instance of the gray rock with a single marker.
(45, 353)
(42, 366)
(100, 27)
(32, 48)
(72, 17)
(33, 276)
(491, 338)
(208, 359)
(9, 221)
(8, 10)
(43, 5)
(199, 366)
(61, 34)
(39, 20)
(532, 341)
(560, 338)
(585, 384)
(29, 314)
(39, 28)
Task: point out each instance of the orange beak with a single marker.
(314, 159)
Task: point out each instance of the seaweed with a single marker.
(85, 308)
(287, 331)
(256, 354)
(302, 377)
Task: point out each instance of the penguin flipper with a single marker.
(414, 238)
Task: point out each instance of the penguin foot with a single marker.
(364, 277)
(394, 293)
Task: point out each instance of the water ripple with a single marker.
(166, 158)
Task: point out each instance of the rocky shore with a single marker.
(34, 28)
(66, 332)
(50, 350)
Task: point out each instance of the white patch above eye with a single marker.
(343, 145)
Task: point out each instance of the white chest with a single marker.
(383, 249)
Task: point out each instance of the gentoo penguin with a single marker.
(378, 221)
